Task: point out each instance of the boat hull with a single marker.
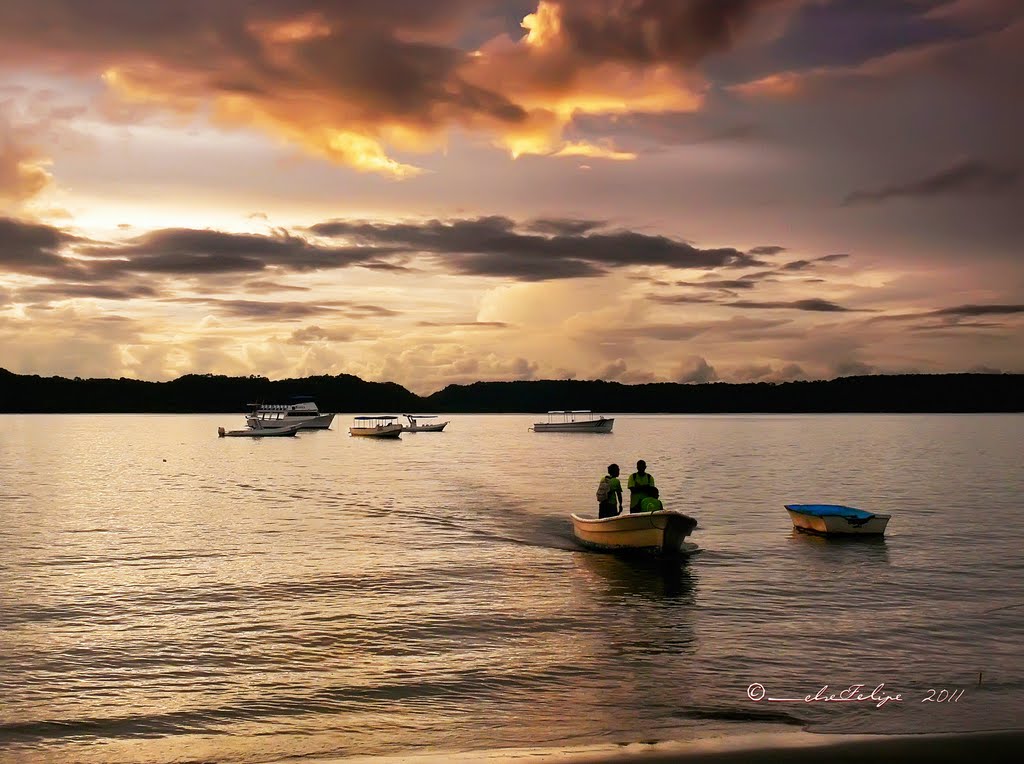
(837, 525)
(590, 425)
(663, 532)
(387, 431)
(425, 427)
(259, 432)
(320, 422)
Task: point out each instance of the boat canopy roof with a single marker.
(830, 510)
(421, 416)
(572, 411)
(368, 418)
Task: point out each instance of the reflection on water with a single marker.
(846, 552)
(641, 575)
(166, 595)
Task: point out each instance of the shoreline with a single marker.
(763, 747)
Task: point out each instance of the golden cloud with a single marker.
(351, 83)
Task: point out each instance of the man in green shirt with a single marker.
(640, 484)
(609, 493)
(651, 503)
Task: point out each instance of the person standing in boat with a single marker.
(640, 484)
(651, 503)
(609, 493)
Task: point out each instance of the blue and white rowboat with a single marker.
(836, 520)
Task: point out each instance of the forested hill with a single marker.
(894, 393)
(345, 393)
(196, 393)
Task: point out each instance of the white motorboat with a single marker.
(663, 532)
(376, 427)
(574, 421)
(259, 431)
(836, 520)
(299, 410)
(416, 424)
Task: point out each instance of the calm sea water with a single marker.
(166, 595)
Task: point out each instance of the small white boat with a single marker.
(574, 421)
(836, 520)
(259, 431)
(376, 427)
(663, 532)
(416, 425)
(299, 410)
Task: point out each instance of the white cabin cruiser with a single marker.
(574, 421)
(300, 410)
(416, 424)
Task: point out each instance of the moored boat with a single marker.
(416, 424)
(259, 431)
(376, 427)
(300, 410)
(836, 520)
(663, 532)
(582, 420)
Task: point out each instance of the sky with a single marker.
(458, 190)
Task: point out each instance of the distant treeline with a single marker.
(208, 393)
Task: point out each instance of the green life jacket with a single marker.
(650, 504)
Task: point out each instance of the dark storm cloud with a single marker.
(971, 176)
(288, 311)
(967, 311)
(565, 227)
(766, 249)
(652, 31)
(493, 246)
(260, 286)
(954, 315)
(720, 284)
(466, 324)
(186, 251)
(33, 249)
(812, 304)
(488, 246)
(60, 291)
(796, 265)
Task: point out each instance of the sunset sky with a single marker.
(460, 190)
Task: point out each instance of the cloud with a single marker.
(957, 319)
(352, 81)
(192, 252)
(696, 370)
(978, 310)
(854, 368)
(308, 334)
(23, 172)
(766, 249)
(768, 373)
(289, 311)
(34, 249)
(969, 176)
(812, 304)
(495, 246)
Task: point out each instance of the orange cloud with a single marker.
(349, 82)
(23, 171)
